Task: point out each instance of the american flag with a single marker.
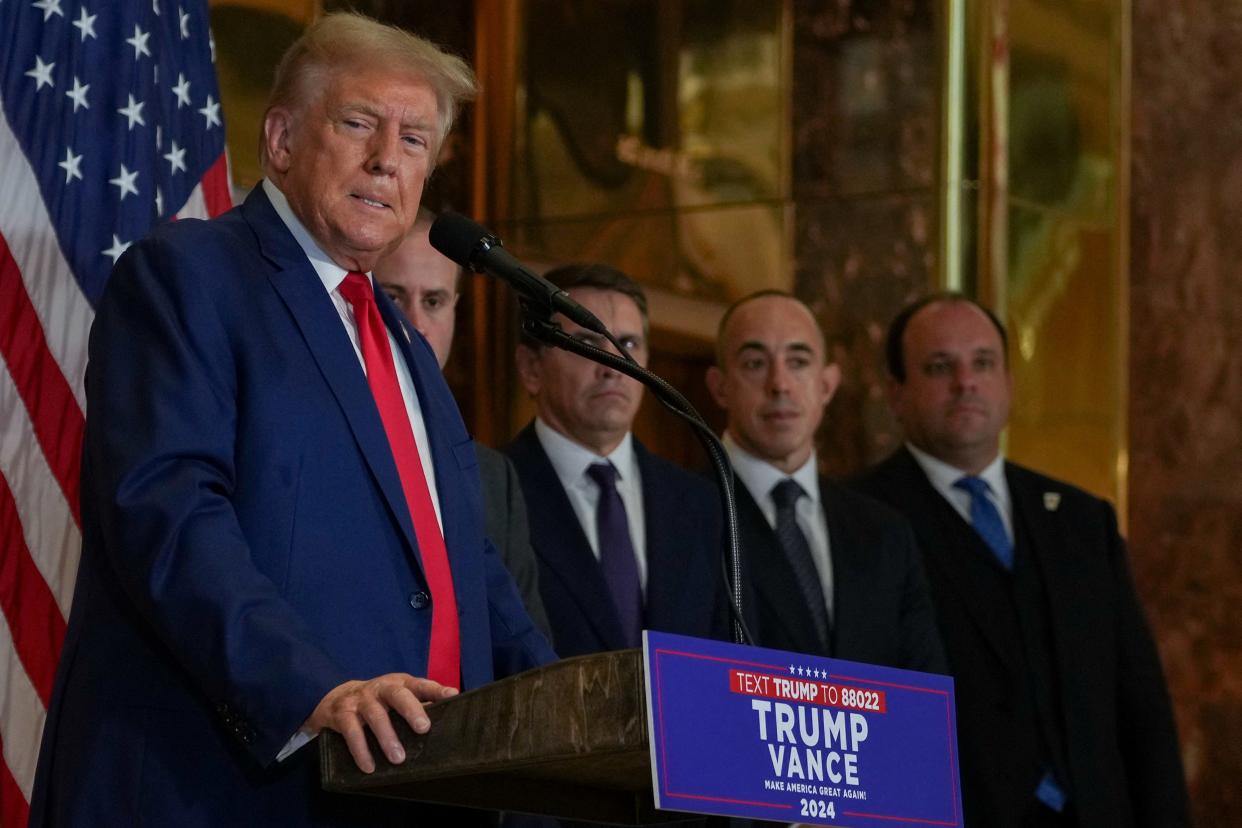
(109, 122)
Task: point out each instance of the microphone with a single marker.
(474, 247)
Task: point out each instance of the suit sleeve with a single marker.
(517, 644)
(160, 439)
(1146, 728)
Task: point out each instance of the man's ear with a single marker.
(715, 384)
(831, 379)
(529, 368)
(277, 130)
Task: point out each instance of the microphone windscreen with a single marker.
(456, 237)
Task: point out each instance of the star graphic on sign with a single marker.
(42, 73)
(72, 165)
(118, 247)
(139, 42)
(791, 669)
(800, 671)
(78, 94)
(185, 24)
(86, 24)
(125, 182)
(211, 112)
(133, 112)
(176, 159)
(49, 7)
(182, 90)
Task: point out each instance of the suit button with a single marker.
(420, 600)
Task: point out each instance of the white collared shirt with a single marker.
(942, 476)
(760, 477)
(332, 275)
(570, 460)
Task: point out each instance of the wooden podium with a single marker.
(567, 740)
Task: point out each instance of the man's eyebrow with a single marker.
(752, 345)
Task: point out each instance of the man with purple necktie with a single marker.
(625, 540)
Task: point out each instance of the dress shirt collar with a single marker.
(570, 459)
(759, 476)
(943, 475)
(329, 272)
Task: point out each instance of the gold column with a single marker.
(1034, 219)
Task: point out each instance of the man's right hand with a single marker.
(351, 707)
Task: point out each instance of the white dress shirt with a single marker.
(760, 477)
(570, 460)
(332, 275)
(942, 477)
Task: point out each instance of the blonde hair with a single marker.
(340, 39)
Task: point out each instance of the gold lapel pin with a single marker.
(1052, 500)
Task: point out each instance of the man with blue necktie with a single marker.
(1063, 714)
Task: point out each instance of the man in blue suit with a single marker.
(625, 539)
(281, 516)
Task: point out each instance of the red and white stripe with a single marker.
(44, 323)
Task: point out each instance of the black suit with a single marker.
(882, 610)
(506, 525)
(684, 574)
(1096, 709)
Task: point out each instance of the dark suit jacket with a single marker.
(246, 543)
(684, 574)
(504, 512)
(1124, 762)
(882, 607)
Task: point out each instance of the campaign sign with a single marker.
(751, 732)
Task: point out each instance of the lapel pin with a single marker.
(1052, 500)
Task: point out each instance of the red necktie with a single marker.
(444, 661)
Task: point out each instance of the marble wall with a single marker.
(1186, 374)
(864, 155)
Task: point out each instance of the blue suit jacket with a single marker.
(246, 543)
(685, 592)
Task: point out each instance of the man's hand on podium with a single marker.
(350, 706)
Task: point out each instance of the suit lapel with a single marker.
(563, 546)
(933, 517)
(295, 280)
(667, 561)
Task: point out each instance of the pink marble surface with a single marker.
(1186, 375)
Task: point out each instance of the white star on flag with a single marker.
(139, 42)
(72, 165)
(78, 94)
(185, 25)
(118, 247)
(49, 7)
(42, 73)
(211, 112)
(86, 24)
(125, 182)
(133, 112)
(176, 159)
(182, 90)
